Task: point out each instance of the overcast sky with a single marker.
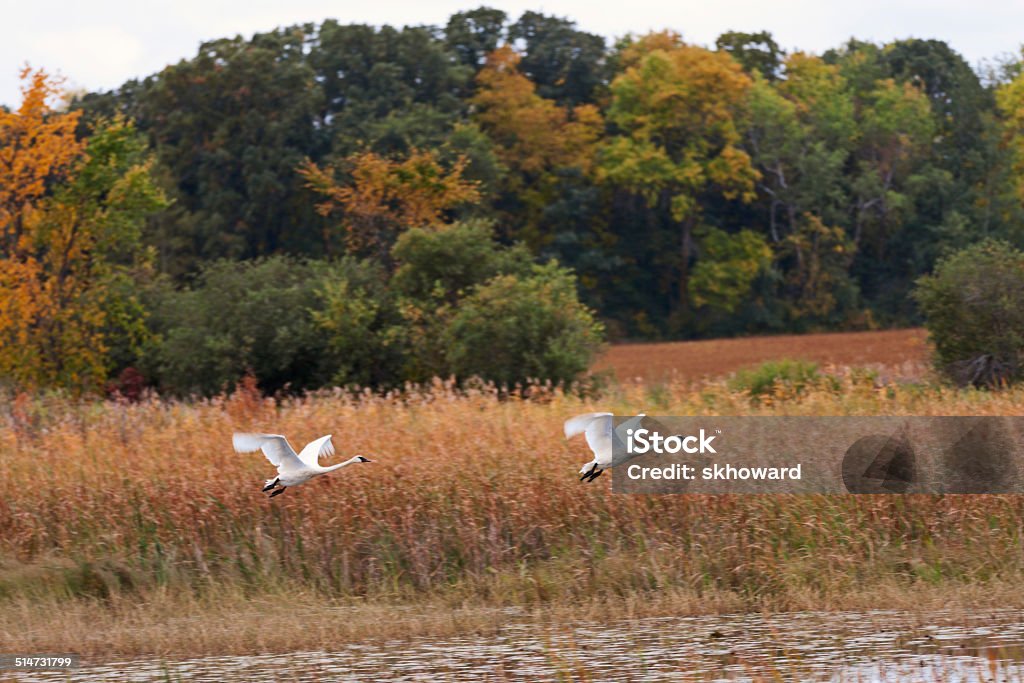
(101, 43)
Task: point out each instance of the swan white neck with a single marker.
(340, 464)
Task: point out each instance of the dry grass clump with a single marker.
(109, 508)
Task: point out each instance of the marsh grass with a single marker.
(140, 517)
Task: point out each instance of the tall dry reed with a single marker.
(472, 499)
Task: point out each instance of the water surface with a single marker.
(809, 646)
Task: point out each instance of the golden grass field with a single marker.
(128, 529)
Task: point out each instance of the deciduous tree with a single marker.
(566, 64)
(681, 110)
(540, 142)
(381, 197)
(70, 220)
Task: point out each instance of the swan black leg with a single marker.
(279, 491)
(271, 485)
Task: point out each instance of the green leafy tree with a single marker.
(802, 139)
(757, 52)
(566, 64)
(293, 324)
(957, 97)
(908, 192)
(836, 147)
(475, 34)
(440, 266)
(359, 321)
(973, 310)
(231, 125)
(801, 136)
(512, 329)
(728, 267)
(895, 130)
(436, 270)
(386, 89)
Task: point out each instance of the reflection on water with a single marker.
(863, 646)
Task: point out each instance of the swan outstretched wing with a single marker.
(601, 433)
(277, 449)
(578, 425)
(597, 429)
(622, 436)
(314, 450)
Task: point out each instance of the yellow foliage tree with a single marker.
(67, 206)
(533, 136)
(1010, 99)
(383, 197)
(681, 110)
(37, 149)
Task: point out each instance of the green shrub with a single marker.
(973, 305)
(293, 324)
(795, 376)
(435, 268)
(515, 328)
(360, 324)
(441, 264)
(459, 304)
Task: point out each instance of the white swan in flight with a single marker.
(601, 434)
(292, 468)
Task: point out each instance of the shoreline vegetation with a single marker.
(233, 623)
(130, 529)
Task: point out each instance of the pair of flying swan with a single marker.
(298, 468)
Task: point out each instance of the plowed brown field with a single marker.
(905, 350)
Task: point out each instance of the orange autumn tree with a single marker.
(382, 197)
(35, 148)
(533, 134)
(534, 137)
(70, 216)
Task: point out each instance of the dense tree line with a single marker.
(694, 191)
